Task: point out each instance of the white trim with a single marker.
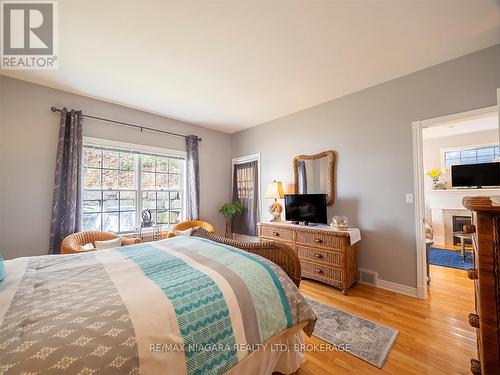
(498, 113)
(246, 159)
(398, 288)
(442, 120)
(419, 198)
(419, 187)
(133, 147)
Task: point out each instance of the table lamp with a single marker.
(275, 191)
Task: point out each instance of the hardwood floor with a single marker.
(434, 335)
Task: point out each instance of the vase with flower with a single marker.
(434, 174)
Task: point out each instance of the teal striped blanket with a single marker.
(186, 305)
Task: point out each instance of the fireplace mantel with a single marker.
(451, 199)
(442, 205)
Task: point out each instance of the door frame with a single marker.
(418, 179)
(246, 159)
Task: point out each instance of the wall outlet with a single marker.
(409, 197)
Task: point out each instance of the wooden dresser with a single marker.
(325, 255)
(486, 275)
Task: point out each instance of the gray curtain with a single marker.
(246, 191)
(193, 178)
(66, 203)
(301, 169)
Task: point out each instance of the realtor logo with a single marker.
(29, 39)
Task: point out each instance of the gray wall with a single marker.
(28, 143)
(371, 132)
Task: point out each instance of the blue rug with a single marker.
(449, 258)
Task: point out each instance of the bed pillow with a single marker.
(88, 246)
(2, 269)
(187, 232)
(109, 244)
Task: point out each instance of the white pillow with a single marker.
(88, 246)
(186, 232)
(109, 244)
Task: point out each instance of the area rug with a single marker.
(361, 337)
(449, 258)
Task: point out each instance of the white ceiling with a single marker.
(230, 65)
(488, 121)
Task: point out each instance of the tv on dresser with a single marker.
(306, 208)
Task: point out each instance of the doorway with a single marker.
(438, 145)
(245, 188)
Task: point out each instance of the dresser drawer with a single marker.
(322, 240)
(325, 255)
(315, 270)
(322, 256)
(277, 233)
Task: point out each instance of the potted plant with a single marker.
(434, 174)
(228, 210)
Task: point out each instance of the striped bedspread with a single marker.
(183, 305)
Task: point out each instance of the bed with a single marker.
(185, 305)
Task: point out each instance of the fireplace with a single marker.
(458, 223)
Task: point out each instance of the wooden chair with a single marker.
(184, 225)
(74, 242)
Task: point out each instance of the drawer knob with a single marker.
(469, 228)
(472, 274)
(475, 367)
(474, 320)
(318, 270)
(318, 255)
(318, 240)
(276, 234)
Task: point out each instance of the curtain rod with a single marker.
(140, 127)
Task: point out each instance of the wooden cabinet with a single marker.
(325, 255)
(486, 275)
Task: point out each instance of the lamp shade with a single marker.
(275, 190)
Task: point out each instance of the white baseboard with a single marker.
(398, 288)
(422, 292)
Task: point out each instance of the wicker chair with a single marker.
(191, 224)
(74, 242)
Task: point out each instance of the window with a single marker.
(472, 155)
(119, 184)
(161, 190)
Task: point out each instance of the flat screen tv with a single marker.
(475, 175)
(309, 208)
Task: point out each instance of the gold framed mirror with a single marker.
(315, 174)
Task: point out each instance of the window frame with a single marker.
(139, 150)
(443, 152)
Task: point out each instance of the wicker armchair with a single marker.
(191, 224)
(74, 242)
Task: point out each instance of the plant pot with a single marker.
(227, 232)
